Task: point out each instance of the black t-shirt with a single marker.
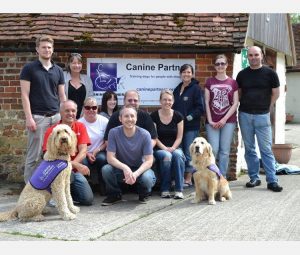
(78, 96)
(43, 95)
(167, 133)
(256, 88)
(143, 120)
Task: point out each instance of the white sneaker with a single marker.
(178, 195)
(165, 194)
(51, 203)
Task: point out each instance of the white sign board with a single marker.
(147, 76)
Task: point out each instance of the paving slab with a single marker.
(91, 223)
(254, 214)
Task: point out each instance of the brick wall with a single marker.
(13, 136)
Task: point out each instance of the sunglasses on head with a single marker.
(76, 55)
(90, 107)
(220, 64)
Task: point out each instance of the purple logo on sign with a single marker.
(104, 76)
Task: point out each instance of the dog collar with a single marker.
(214, 168)
(46, 172)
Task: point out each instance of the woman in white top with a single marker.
(77, 86)
(96, 153)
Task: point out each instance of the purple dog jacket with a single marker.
(46, 172)
(214, 168)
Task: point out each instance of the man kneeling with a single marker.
(129, 157)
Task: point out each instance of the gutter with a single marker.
(140, 50)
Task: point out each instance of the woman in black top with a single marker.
(167, 152)
(78, 86)
(109, 104)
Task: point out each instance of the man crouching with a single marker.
(129, 157)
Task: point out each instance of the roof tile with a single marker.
(214, 30)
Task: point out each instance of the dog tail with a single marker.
(9, 215)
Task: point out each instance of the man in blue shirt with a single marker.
(129, 157)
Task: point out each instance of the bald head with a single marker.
(132, 98)
(255, 48)
(255, 57)
(68, 111)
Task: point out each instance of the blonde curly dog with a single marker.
(61, 143)
(208, 183)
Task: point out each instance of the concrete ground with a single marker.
(255, 214)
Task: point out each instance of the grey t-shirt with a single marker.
(130, 150)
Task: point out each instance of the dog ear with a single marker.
(191, 148)
(73, 143)
(209, 150)
(51, 143)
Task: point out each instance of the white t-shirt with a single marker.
(95, 131)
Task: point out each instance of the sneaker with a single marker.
(253, 183)
(178, 195)
(110, 200)
(165, 194)
(51, 203)
(144, 198)
(274, 187)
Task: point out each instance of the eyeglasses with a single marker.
(133, 100)
(220, 64)
(90, 107)
(253, 55)
(76, 55)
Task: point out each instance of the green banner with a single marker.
(245, 62)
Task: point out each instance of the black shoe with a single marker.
(274, 187)
(144, 198)
(252, 184)
(110, 200)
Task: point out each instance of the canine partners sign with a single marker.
(147, 76)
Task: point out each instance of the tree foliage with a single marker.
(295, 18)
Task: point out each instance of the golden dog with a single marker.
(207, 182)
(61, 143)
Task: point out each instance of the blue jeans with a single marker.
(259, 125)
(220, 140)
(187, 139)
(113, 177)
(96, 167)
(170, 165)
(80, 189)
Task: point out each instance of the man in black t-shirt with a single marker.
(132, 98)
(259, 90)
(42, 89)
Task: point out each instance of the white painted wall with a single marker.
(241, 163)
(292, 102)
(280, 103)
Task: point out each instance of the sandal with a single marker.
(187, 185)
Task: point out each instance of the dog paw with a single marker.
(212, 202)
(75, 209)
(222, 199)
(195, 201)
(69, 216)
